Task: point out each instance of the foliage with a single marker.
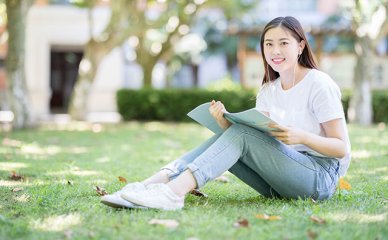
(174, 104)
(379, 104)
(62, 164)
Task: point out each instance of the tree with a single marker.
(14, 64)
(370, 24)
(153, 28)
(128, 18)
(115, 33)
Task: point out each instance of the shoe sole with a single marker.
(136, 201)
(118, 205)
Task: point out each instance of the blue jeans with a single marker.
(267, 165)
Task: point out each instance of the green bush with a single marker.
(379, 104)
(174, 104)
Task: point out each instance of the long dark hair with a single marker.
(306, 59)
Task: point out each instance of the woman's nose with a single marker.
(275, 50)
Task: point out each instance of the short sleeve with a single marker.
(327, 103)
(262, 99)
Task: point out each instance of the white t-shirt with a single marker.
(314, 100)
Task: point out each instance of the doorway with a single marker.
(63, 75)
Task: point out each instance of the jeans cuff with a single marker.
(197, 175)
(171, 174)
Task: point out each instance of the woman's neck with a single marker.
(293, 76)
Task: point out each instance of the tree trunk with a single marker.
(147, 74)
(14, 64)
(148, 62)
(360, 107)
(93, 55)
(113, 35)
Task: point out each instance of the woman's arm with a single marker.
(333, 144)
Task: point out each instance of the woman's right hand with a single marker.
(217, 110)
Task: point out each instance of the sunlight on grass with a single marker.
(361, 154)
(372, 171)
(38, 150)
(103, 159)
(154, 126)
(76, 127)
(357, 217)
(50, 150)
(97, 182)
(366, 139)
(12, 166)
(22, 198)
(367, 154)
(5, 183)
(75, 172)
(11, 142)
(58, 199)
(56, 223)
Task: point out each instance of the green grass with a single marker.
(88, 155)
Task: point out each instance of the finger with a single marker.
(277, 126)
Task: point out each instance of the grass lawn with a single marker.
(62, 164)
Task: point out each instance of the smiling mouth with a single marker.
(278, 60)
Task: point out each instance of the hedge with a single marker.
(174, 104)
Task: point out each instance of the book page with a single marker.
(252, 118)
(202, 115)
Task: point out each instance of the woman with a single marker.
(303, 158)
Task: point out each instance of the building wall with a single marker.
(67, 27)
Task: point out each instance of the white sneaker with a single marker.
(159, 196)
(115, 200)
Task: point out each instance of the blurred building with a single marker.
(324, 36)
(55, 38)
(57, 33)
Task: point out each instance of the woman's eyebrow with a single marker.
(281, 39)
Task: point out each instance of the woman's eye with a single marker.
(284, 43)
(268, 44)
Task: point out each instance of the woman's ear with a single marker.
(302, 44)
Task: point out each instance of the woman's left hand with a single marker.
(288, 135)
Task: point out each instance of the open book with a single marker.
(251, 117)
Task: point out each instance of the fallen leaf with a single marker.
(222, 179)
(267, 217)
(343, 184)
(122, 179)
(16, 177)
(318, 220)
(68, 234)
(70, 182)
(11, 142)
(17, 189)
(100, 191)
(381, 126)
(96, 128)
(168, 223)
(311, 234)
(198, 193)
(243, 222)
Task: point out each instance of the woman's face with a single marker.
(281, 49)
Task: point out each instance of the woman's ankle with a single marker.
(159, 177)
